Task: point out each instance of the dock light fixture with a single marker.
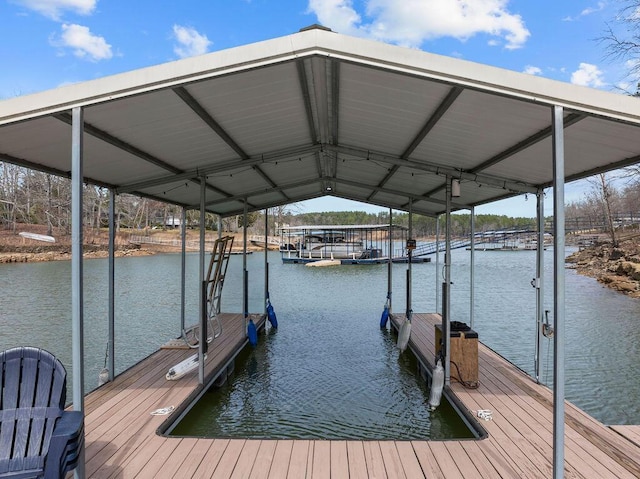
(455, 188)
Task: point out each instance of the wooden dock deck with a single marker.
(122, 442)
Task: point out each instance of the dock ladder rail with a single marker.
(215, 281)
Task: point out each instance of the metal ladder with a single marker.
(214, 283)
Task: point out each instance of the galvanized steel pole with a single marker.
(472, 273)
(390, 263)
(201, 275)
(112, 277)
(266, 258)
(446, 305)
(438, 285)
(183, 269)
(558, 289)
(77, 303)
(539, 282)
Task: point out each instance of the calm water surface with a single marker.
(329, 326)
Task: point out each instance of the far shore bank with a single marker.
(616, 268)
(17, 249)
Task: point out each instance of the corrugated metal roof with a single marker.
(318, 113)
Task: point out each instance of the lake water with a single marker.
(340, 308)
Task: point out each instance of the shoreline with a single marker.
(615, 268)
(16, 249)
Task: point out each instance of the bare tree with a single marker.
(622, 41)
(604, 198)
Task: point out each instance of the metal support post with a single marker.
(245, 287)
(558, 290)
(183, 269)
(446, 299)
(112, 278)
(438, 286)
(77, 300)
(266, 258)
(472, 268)
(202, 307)
(390, 263)
(539, 282)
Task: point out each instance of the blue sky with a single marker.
(48, 43)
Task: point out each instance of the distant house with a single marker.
(172, 222)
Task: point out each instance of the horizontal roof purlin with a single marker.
(353, 118)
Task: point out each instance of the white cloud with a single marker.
(338, 15)
(54, 8)
(587, 75)
(531, 70)
(587, 11)
(84, 43)
(411, 22)
(190, 42)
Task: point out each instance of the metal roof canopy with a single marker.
(317, 113)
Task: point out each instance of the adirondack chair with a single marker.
(38, 438)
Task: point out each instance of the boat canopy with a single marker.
(319, 113)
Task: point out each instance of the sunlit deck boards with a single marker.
(521, 431)
(122, 441)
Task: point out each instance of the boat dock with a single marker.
(122, 438)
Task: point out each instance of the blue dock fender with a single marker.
(252, 333)
(385, 312)
(271, 314)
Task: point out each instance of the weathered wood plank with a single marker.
(427, 460)
(299, 459)
(447, 463)
(264, 459)
(409, 460)
(221, 459)
(281, 458)
(357, 460)
(246, 460)
(339, 461)
(375, 462)
(392, 462)
(321, 468)
(208, 463)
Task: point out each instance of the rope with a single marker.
(485, 414)
(465, 384)
(162, 411)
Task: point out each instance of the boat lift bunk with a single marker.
(345, 244)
